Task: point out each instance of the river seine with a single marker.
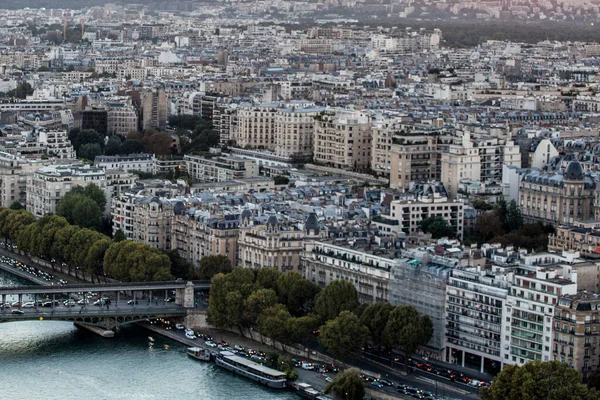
(55, 360)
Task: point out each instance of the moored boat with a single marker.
(198, 353)
(257, 372)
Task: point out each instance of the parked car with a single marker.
(210, 343)
(29, 304)
(179, 326)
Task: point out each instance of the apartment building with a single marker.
(121, 119)
(474, 303)
(575, 332)
(154, 109)
(582, 237)
(493, 154)
(343, 139)
(294, 129)
(256, 126)
(426, 200)
(462, 161)
(48, 185)
(14, 171)
(368, 270)
(414, 157)
(425, 275)
(270, 244)
(40, 143)
(198, 234)
(220, 169)
(152, 219)
(130, 162)
(557, 198)
(530, 310)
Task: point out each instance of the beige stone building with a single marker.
(343, 139)
(152, 221)
(576, 329)
(49, 184)
(327, 261)
(557, 198)
(154, 109)
(272, 244)
(462, 161)
(414, 157)
(294, 129)
(220, 169)
(121, 119)
(426, 200)
(14, 171)
(256, 126)
(196, 236)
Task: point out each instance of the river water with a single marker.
(55, 360)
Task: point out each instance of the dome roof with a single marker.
(272, 220)
(574, 172)
(312, 222)
(246, 214)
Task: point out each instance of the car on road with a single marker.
(69, 303)
(47, 304)
(328, 379)
(210, 343)
(377, 384)
(4, 305)
(16, 304)
(237, 347)
(17, 312)
(386, 382)
(257, 358)
(190, 335)
(29, 304)
(170, 300)
(179, 326)
(132, 302)
(307, 366)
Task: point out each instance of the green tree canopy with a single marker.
(113, 146)
(375, 317)
(338, 296)
(213, 265)
(268, 277)
(16, 206)
(536, 380)
(437, 226)
(89, 151)
(407, 330)
(347, 386)
(273, 322)
(132, 146)
(343, 335)
(136, 262)
(258, 302)
(296, 293)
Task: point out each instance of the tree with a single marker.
(347, 386)
(407, 330)
(488, 225)
(62, 238)
(119, 236)
(132, 146)
(343, 335)
(16, 206)
(89, 151)
(95, 256)
(180, 267)
(274, 323)
(536, 380)
(375, 317)
(113, 146)
(296, 292)
(514, 219)
(95, 193)
(226, 303)
(437, 226)
(86, 213)
(213, 265)
(158, 143)
(22, 90)
(268, 277)
(258, 302)
(302, 327)
(136, 262)
(338, 296)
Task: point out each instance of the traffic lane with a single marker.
(89, 311)
(431, 375)
(416, 380)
